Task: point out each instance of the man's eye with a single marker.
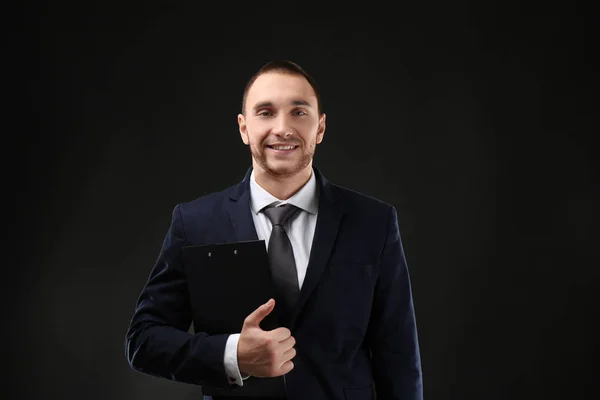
(299, 113)
(265, 114)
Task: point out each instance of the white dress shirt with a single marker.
(300, 230)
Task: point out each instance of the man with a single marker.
(350, 329)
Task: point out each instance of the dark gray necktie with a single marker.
(281, 255)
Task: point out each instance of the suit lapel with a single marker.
(240, 213)
(328, 221)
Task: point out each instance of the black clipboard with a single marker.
(226, 283)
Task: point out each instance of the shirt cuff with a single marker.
(231, 362)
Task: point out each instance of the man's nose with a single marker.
(283, 126)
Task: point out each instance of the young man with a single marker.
(336, 259)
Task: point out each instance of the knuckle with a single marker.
(281, 331)
(290, 354)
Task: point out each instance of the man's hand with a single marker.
(261, 353)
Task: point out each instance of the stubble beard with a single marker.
(260, 157)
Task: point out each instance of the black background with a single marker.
(476, 123)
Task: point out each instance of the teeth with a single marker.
(283, 147)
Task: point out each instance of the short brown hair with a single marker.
(286, 67)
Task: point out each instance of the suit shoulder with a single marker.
(354, 198)
(206, 202)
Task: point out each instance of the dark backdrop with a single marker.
(476, 124)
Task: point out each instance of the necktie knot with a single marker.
(280, 215)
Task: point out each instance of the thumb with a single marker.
(260, 313)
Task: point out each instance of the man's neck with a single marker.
(282, 187)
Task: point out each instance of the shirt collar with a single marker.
(306, 198)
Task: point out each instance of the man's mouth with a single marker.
(283, 149)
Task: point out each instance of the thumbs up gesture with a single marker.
(262, 353)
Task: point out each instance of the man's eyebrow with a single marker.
(262, 104)
(297, 102)
(301, 103)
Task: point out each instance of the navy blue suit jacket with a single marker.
(354, 323)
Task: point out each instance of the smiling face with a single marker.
(281, 109)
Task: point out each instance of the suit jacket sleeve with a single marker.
(157, 341)
(392, 332)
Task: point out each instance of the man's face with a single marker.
(281, 109)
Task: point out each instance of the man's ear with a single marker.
(321, 129)
(243, 129)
